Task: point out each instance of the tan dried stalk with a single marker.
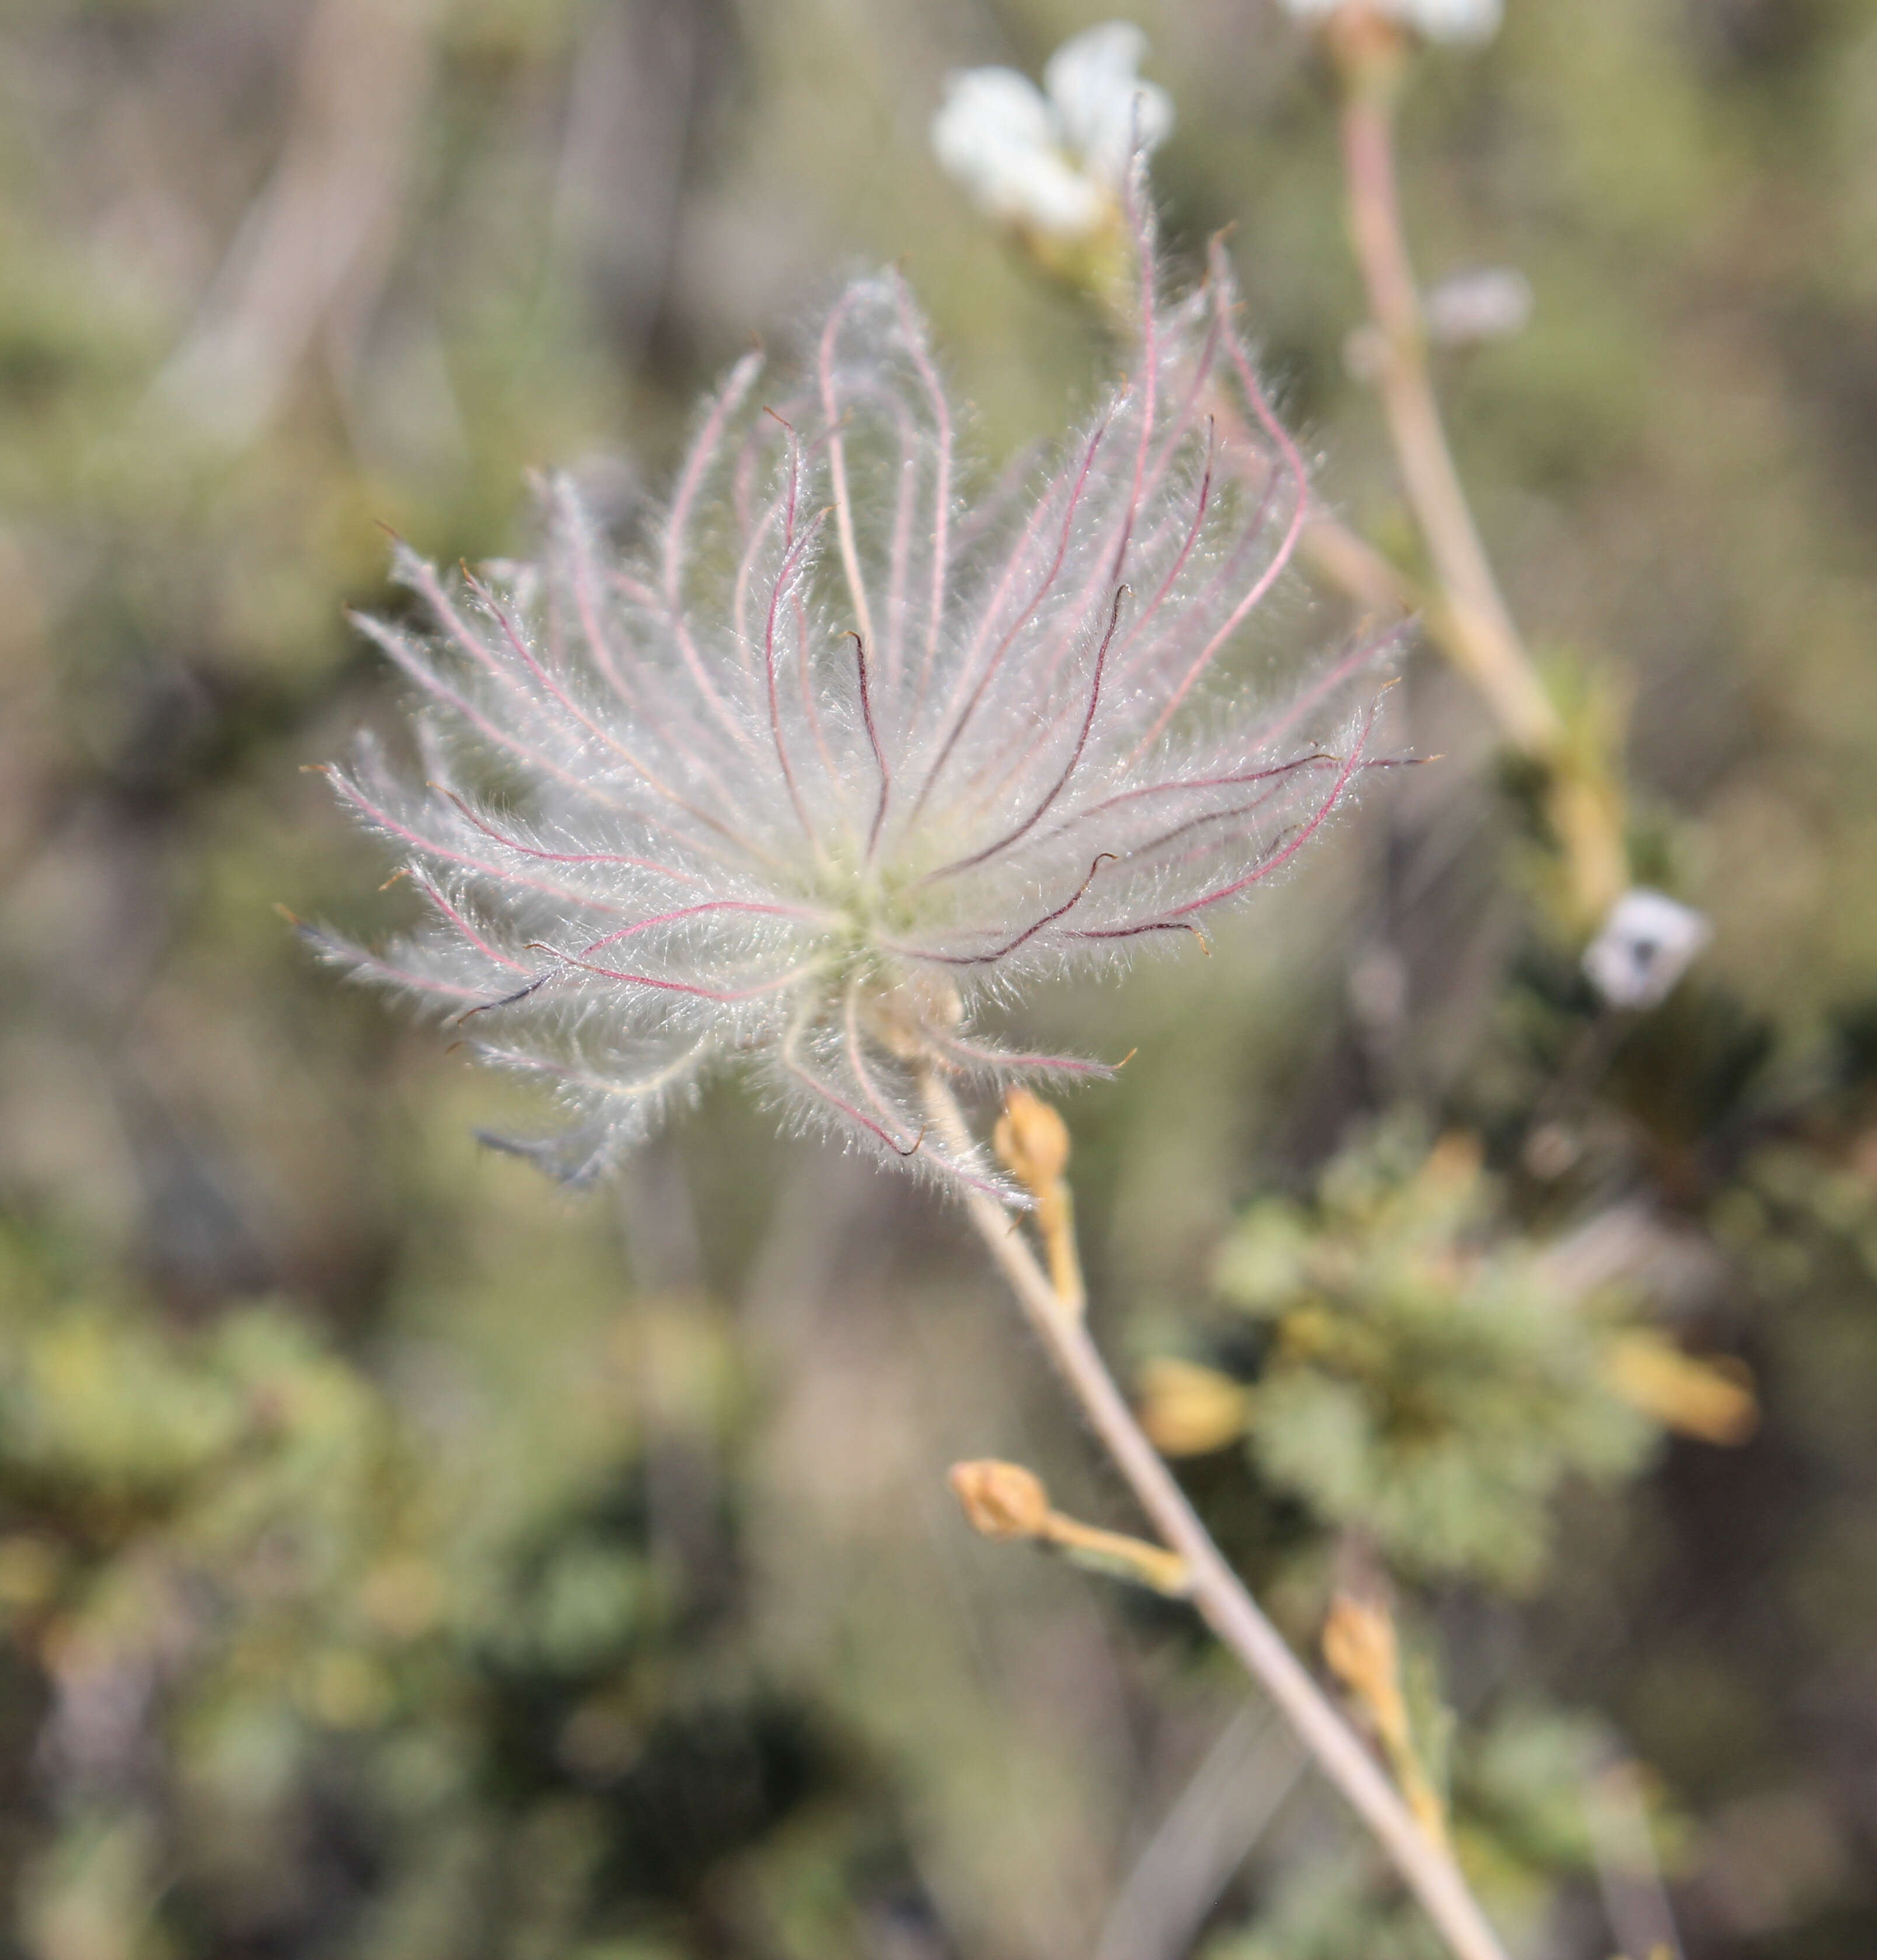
(1221, 1596)
(1471, 619)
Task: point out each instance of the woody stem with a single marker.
(1471, 618)
(1216, 1591)
(1482, 633)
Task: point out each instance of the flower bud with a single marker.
(1710, 1400)
(1002, 1501)
(1492, 304)
(1187, 1410)
(1031, 1141)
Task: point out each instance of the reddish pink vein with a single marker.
(1293, 464)
(1079, 485)
(1036, 815)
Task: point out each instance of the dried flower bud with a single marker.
(1002, 1501)
(1364, 1652)
(1187, 1410)
(1711, 1400)
(1031, 1141)
(1360, 1646)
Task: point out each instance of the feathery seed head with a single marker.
(840, 756)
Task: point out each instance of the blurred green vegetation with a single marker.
(1430, 1391)
(398, 1560)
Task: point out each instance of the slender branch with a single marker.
(1484, 639)
(1471, 618)
(1221, 1596)
(1005, 1500)
(1234, 1797)
(1338, 555)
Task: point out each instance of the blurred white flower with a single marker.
(1106, 111)
(1053, 161)
(1463, 311)
(1439, 20)
(840, 755)
(1647, 944)
(1493, 303)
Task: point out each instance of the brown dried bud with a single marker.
(1708, 1397)
(1002, 1501)
(1359, 1643)
(1187, 1410)
(1031, 1141)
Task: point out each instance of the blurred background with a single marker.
(401, 1558)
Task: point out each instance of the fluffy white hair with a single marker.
(840, 756)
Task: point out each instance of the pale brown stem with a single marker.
(1055, 1221)
(1483, 638)
(317, 245)
(1471, 618)
(1335, 551)
(1215, 1590)
(1149, 1565)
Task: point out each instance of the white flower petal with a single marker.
(1491, 304)
(991, 109)
(1647, 943)
(1439, 20)
(1055, 197)
(996, 135)
(1454, 19)
(1106, 110)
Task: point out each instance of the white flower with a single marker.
(1647, 944)
(1054, 160)
(1105, 110)
(840, 757)
(1493, 303)
(1463, 311)
(1439, 20)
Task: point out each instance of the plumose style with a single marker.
(840, 756)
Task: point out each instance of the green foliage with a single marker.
(1523, 1796)
(351, 1610)
(1431, 1379)
(1328, 1909)
(239, 1536)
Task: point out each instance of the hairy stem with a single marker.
(1215, 1590)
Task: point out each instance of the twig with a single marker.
(313, 254)
(1005, 1500)
(1364, 1652)
(1471, 618)
(1215, 1590)
(1484, 638)
(1629, 1876)
(1377, 586)
(1208, 1834)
